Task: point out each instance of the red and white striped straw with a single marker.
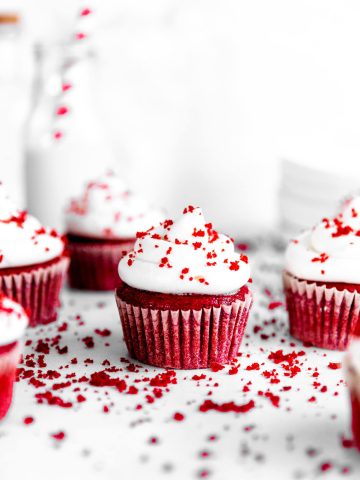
(80, 33)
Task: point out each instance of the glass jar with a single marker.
(65, 143)
(13, 101)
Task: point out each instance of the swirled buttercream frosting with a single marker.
(13, 321)
(23, 240)
(106, 209)
(185, 256)
(330, 252)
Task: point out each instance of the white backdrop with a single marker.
(202, 98)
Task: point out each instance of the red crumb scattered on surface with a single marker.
(326, 466)
(179, 417)
(103, 333)
(274, 305)
(216, 367)
(334, 366)
(28, 420)
(58, 435)
(164, 379)
(208, 405)
(253, 366)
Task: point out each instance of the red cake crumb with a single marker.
(179, 417)
(253, 366)
(103, 333)
(42, 347)
(216, 367)
(334, 366)
(325, 467)
(323, 257)
(274, 399)
(347, 442)
(208, 405)
(58, 436)
(89, 342)
(234, 370)
(103, 379)
(28, 420)
(274, 305)
(289, 362)
(50, 399)
(132, 390)
(164, 379)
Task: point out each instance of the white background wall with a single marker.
(202, 98)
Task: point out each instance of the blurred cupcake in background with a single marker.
(101, 228)
(322, 280)
(33, 262)
(184, 299)
(352, 365)
(13, 322)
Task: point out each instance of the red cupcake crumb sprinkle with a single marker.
(58, 436)
(179, 417)
(322, 258)
(334, 366)
(208, 405)
(216, 367)
(274, 305)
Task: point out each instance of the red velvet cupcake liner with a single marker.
(95, 266)
(355, 419)
(184, 339)
(37, 289)
(9, 358)
(325, 317)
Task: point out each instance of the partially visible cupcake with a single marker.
(101, 228)
(184, 299)
(33, 262)
(322, 280)
(13, 322)
(353, 380)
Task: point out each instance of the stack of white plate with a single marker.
(308, 194)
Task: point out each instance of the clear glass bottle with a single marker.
(65, 143)
(13, 104)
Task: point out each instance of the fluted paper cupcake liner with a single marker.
(9, 358)
(184, 339)
(355, 417)
(37, 290)
(95, 267)
(322, 316)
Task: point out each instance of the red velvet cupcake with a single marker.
(13, 321)
(322, 281)
(33, 263)
(353, 379)
(101, 228)
(183, 299)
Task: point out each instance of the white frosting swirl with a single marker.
(329, 252)
(185, 256)
(107, 209)
(23, 240)
(13, 321)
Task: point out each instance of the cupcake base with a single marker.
(94, 263)
(355, 421)
(9, 358)
(36, 288)
(182, 331)
(324, 315)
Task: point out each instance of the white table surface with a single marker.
(293, 441)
